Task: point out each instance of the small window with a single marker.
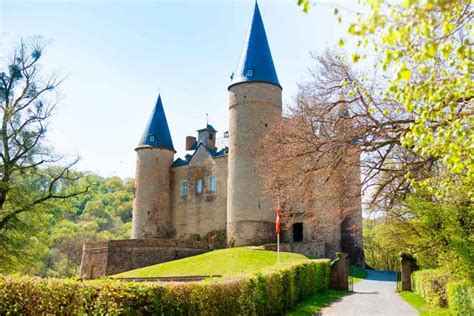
(226, 134)
(212, 183)
(249, 72)
(152, 138)
(211, 136)
(184, 188)
(298, 232)
(199, 186)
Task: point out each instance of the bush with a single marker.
(270, 293)
(460, 298)
(431, 285)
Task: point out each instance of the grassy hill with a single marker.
(225, 262)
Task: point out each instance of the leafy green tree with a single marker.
(31, 176)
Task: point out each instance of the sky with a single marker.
(117, 56)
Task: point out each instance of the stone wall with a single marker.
(199, 213)
(310, 248)
(102, 258)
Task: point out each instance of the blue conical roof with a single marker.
(157, 133)
(256, 63)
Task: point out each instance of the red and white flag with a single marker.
(278, 221)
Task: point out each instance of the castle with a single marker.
(185, 203)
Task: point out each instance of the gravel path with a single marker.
(373, 296)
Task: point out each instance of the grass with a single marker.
(225, 262)
(314, 304)
(422, 306)
(358, 274)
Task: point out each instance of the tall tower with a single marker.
(254, 102)
(155, 154)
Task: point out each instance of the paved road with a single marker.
(373, 296)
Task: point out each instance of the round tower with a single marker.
(155, 154)
(254, 102)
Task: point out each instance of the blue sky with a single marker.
(118, 55)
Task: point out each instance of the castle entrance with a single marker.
(298, 232)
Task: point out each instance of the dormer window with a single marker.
(249, 72)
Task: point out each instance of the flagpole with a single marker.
(278, 231)
(278, 248)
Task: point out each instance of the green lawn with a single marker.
(315, 303)
(225, 262)
(358, 274)
(422, 306)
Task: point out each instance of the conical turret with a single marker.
(157, 133)
(256, 63)
(155, 153)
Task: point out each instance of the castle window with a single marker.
(212, 183)
(199, 186)
(184, 188)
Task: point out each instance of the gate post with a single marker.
(340, 272)
(408, 266)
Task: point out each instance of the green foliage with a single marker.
(48, 241)
(225, 262)
(461, 298)
(427, 47)
(381, 246)
(431, 285)
(104, 213)
(261, 294)
(437, 234)
(441, 289)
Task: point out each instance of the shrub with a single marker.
(461, 298)
(270, 293)
(431, 285)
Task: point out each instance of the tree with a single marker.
(425, 47)
(338, 115)
(31, 175)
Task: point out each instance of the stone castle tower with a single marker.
(254, 102)
(155, 155)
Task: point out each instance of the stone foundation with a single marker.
(103, 258)
(310, 248)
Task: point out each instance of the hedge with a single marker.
(461, 298)
(431, 285)
(437, 288)
(270, 293)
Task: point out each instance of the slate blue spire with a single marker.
(157, 133)
(256, 63)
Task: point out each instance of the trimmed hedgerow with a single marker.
(270, 293)
(461, 298)
(431, 285)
